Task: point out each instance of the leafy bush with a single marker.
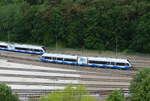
(6, 93)
(115, 96)
(140, 86)
(69, 94)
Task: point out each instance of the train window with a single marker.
(71, 60)
(99, 62)
(127, 64)
(54, 58)
(18, 48)
(113, 63)
(61, 59)
(37, 50)
(2, 46)
(122, 64)
(48, 58)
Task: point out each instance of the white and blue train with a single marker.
(65, 58)
(86, 61)
(22, 48)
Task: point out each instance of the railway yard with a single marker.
(30, 78)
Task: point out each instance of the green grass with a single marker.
(140, 68)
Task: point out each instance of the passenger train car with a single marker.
(59, 58)
(86, 61)
(22, 48)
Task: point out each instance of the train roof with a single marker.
(3, 43)
(22, 45)
(28, 46)
(60, 55)
(108, 59)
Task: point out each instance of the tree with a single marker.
(91, 24)
(35, 2)
(115, 96)
(6, 93)
(140, 86)
(69, 94)
(141, 42)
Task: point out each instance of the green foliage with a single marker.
(90, 24)
(6, 94)
(142, 38)
(69, 94)
(140, 86)
(115, 96)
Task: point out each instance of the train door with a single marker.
(82, 60)
(11, 46)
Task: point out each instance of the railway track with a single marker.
(136, 61)
(35, 61)
(19, 76)
(29, 77)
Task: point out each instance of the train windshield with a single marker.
(44, 49)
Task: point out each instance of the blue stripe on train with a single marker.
(92, 65)
(22, 51)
